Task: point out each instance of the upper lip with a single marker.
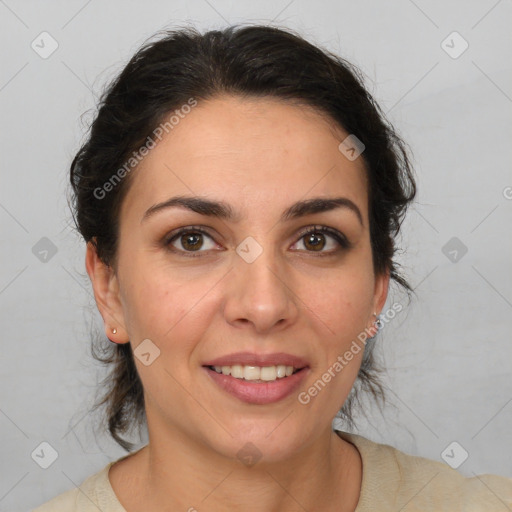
(254, 359)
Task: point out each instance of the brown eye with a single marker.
(190, 240)
(314, 241)
(318, 238)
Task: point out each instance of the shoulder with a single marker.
(62, 502)
(94, 494)
(399, 481)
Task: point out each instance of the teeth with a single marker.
(265, 373)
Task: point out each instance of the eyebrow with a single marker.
(222, 210)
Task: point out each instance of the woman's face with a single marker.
(253, 282)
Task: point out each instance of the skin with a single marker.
(260, 156)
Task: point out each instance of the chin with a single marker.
(269, 441)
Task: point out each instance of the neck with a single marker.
(326, 475)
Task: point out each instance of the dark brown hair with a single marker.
(245, 61)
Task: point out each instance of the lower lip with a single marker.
(258, 392)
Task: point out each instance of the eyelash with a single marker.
(339, 237)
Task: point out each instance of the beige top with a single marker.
(392, 481)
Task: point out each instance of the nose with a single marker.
(260, 294)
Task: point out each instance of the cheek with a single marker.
(168, 308)
(343, 300)
(342, 304)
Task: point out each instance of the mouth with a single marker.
(257, 385)
(256, 374)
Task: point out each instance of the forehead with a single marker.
(248, 151)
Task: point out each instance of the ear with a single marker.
(380, 295)
(106, 292)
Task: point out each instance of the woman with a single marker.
(240, 193)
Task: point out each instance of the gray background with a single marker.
(448, 357)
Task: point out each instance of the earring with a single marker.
(114, 331)
(376, 324)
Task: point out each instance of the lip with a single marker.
(254, 359)
(258, 393)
